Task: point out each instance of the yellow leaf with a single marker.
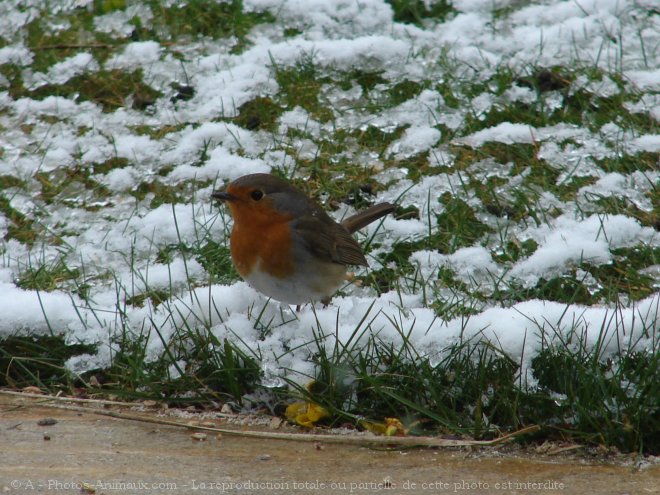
(294, 409)
(316, 413)
(305, 413)
(373, 427)
(392, 427)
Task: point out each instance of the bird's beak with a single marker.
(223, 196)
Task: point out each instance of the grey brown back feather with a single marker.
(328, 240)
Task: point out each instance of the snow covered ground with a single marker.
(115, 241)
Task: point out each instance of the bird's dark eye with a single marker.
(256, 194)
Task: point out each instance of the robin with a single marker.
(285, 245)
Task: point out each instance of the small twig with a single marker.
(72, 46)
(63, 398)
(78, 46)
(104, 402)
(305, 437)
(561, 450)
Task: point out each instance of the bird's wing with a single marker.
(328, 240)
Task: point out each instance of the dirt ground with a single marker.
(87, 453)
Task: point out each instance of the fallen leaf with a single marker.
(392, 427)
(305, 413)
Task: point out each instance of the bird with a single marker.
(285, 245)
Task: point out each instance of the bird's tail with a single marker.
(365, 217)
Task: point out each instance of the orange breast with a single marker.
(261, 236)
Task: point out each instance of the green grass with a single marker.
(416, 11)
(38, 361)
(199, 18)
(470, 388)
